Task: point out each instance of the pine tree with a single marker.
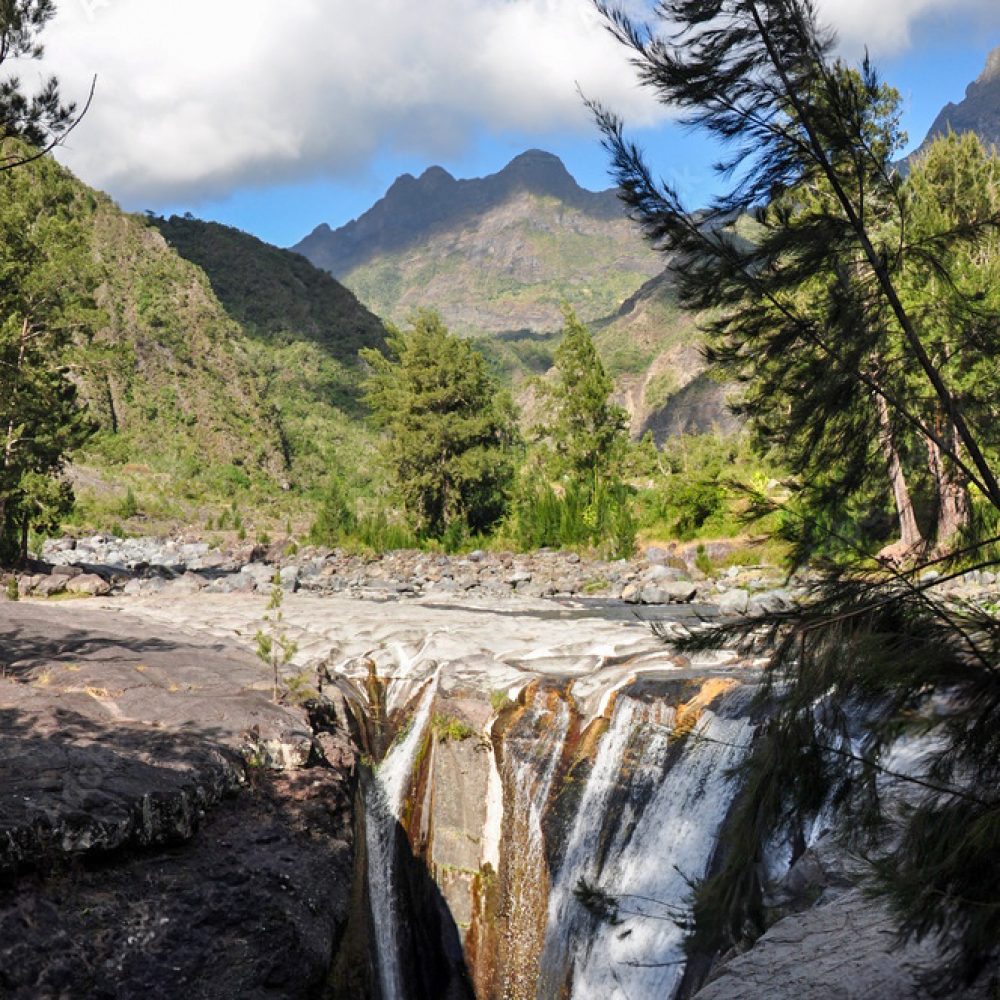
(450, 429)
(826, 289)
(40, 120)
(588, 433)
(572, 491)
(813, 303)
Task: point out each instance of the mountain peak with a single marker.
(978, 112)
(414, 208)
(436, 175)
(992, 70)
(536, 168)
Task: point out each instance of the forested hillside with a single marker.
(199, 384)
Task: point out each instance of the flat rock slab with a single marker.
(112, 735)
(845, 949)
(253, 907)
(139, 855)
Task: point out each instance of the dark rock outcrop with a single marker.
(165, 829)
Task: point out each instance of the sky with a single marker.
(275, 117)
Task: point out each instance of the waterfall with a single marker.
(384, 798)
(652, 859)
(582, 847)
(531, 758)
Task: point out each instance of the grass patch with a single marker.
(448, 729)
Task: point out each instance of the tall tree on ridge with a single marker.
(41, 120)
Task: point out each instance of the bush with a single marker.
(600, 517)
(449, 729)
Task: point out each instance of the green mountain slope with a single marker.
(200, 396)
(170, 376)
(496, 254)
(274, 294)
(652, 348)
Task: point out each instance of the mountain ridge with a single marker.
(414, 207)
(978, 111)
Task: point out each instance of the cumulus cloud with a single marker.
(197, 97)
(886, 27)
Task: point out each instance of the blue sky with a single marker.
(274, 118)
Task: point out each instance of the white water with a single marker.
(384, 799)
(647, 872)
(530, 766)
(580, 860)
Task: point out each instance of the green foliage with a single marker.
(587, 433)
(599, 517)
(274, 646)
(38, 121)
(129, 505)
(276, 295)
(827, 305)
(571, 491)
(335, 517)
(12, 591)
(500, 700)
(448, 729)
(703, 561)
(848, 361)
(449, 429)
(46, 283)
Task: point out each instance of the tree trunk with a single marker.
(910, 539)
(954, 507)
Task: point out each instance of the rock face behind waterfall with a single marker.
(506, 822)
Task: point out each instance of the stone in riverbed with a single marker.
(733, 602)
(670, 592)
(769, 601)
(90, 584)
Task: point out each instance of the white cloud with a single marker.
(196, 97)
(885, 27)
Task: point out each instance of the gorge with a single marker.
(519, 795)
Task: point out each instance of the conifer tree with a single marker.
(40, 120)
(811, 146)
(828, 287)
(450, 428)
(588, 432)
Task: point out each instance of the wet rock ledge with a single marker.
(165, 830)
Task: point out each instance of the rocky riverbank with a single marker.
(103, 565)
(165, 829)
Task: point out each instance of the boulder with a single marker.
(90, 584)
(49, 586)
(733, 602)
(669, 592)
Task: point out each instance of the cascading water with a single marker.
(384, 797)
(531, 758)
(581, 859)
(651, 861)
